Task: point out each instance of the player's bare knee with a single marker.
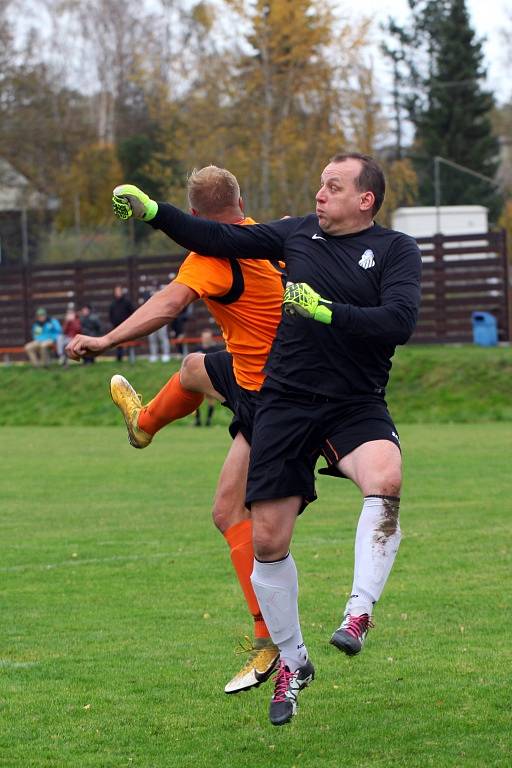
(268, 545)
(191, 367)
(222, 514)
(392, 482)
(386, 482)
(228, 510)
(218, 519)
(390, 487)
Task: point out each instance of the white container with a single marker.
(426, 221)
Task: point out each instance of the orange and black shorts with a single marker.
(241, 402)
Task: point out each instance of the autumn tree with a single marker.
(187, 109)
(284, 111)
(42, 122)
(401, 188)
(168, 85)
(87, 187)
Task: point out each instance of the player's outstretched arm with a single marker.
(159, 310)
(204, 236)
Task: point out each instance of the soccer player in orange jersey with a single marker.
(244, 297)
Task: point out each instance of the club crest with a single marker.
(367, 260)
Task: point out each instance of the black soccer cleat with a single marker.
(287, 686)
(350, 636)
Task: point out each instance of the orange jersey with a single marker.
(253, 290)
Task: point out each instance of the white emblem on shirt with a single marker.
(317, 237)
(367, 260)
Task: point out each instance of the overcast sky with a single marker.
(488, 19)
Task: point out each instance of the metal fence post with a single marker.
(439, 287)
(508, 285)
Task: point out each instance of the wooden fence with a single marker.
(55, 286)
(461, 274)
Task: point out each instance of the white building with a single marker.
(16, 192)
(426, 221)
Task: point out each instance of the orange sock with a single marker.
(171, 403)
(239, 538)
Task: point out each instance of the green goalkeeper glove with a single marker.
(301, 299)
(129, 200)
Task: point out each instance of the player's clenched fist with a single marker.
(301, 299)
(128, 200)
(83, 346)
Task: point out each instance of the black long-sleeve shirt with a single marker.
(372, 277)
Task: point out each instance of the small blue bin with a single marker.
(485, 329)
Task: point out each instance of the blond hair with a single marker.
(212, 190)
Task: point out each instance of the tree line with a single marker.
(94, 92)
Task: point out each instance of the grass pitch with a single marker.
(119, 610)
(429, 384)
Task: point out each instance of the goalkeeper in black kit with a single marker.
(353, 294)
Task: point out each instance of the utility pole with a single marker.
(396, 57)
(24, 236)
(78, 232)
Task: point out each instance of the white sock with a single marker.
(277, 589)
(377, 540)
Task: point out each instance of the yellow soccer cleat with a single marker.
(130, 405)
(263, 657)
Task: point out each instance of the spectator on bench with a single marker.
(70, 328)
(45, 333)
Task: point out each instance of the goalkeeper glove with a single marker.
(301, 299)
(129, 200)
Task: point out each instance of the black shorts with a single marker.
(361, 422)
(241, 402)
(292, 429)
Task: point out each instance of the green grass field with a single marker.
(436, 384)
(120, 613)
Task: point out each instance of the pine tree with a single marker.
(442, 63)
(456, 124)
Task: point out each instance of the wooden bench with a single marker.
(184, 341)
(13, 350)
(7, 352)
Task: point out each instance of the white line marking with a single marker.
(85, 561)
